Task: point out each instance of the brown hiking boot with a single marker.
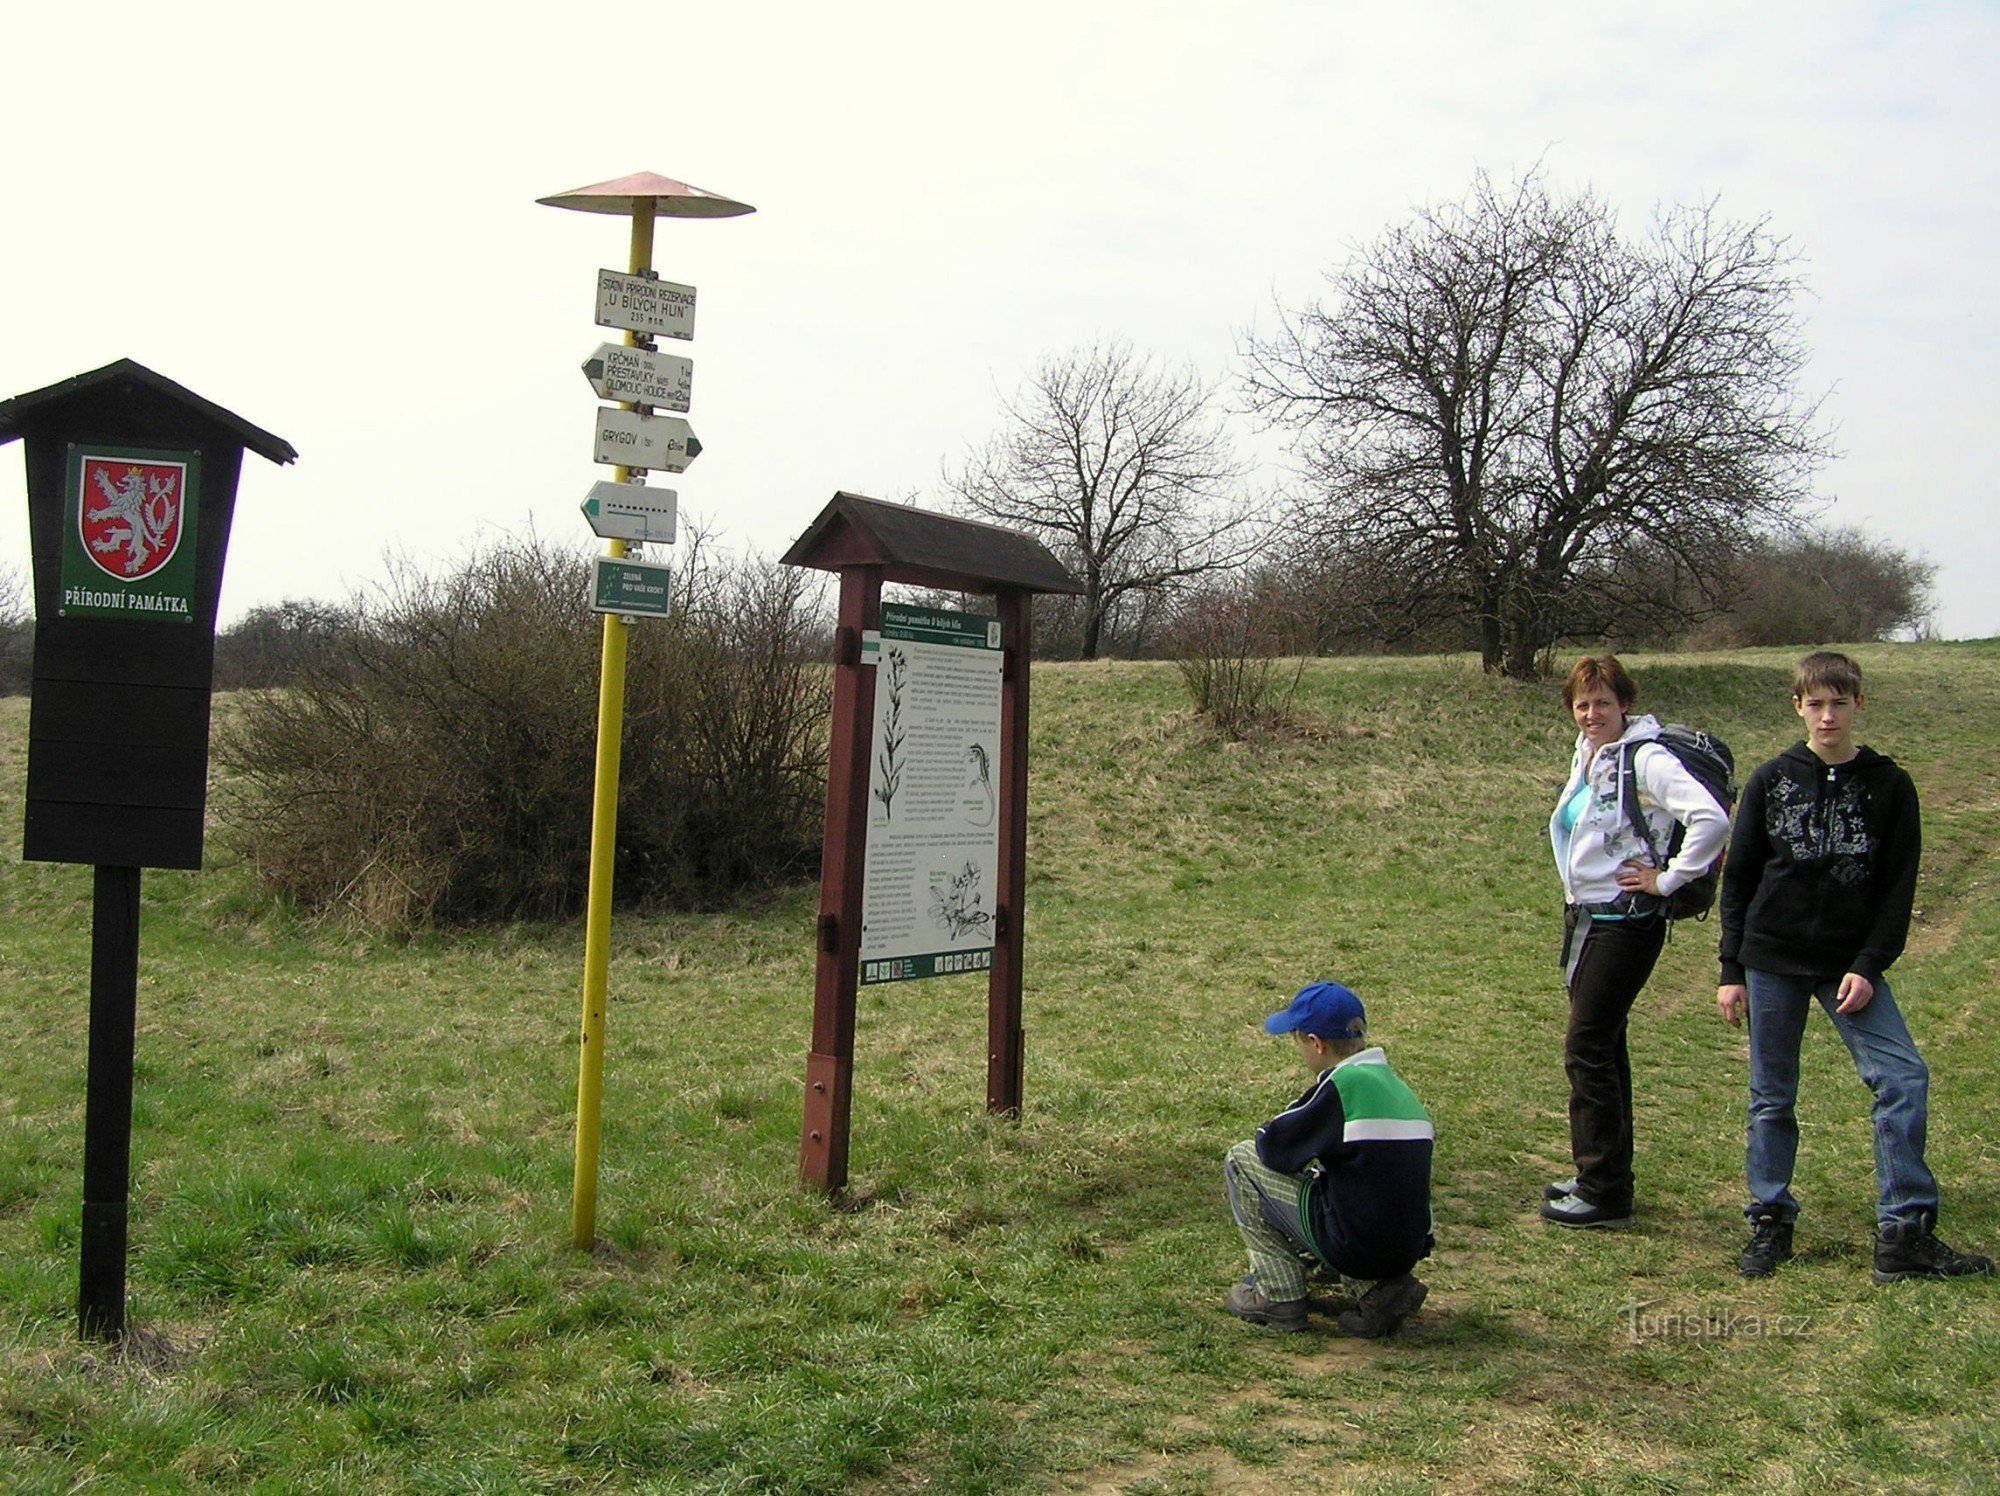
(1911, 1249)
(1384, 1307)
(1770, 1244)
(1247, 1302)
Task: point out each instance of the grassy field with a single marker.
(350, 1267)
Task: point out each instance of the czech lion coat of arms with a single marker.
(130, 515)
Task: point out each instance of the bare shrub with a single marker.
(17, 634)
(1821, 586)
(272, 643)
(436, 760)
(1226, 643)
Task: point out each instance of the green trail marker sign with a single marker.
(632, 587)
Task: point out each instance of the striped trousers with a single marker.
(1265, 1204)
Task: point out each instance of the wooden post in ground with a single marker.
(830, 1063)
(107, 1108)
(1004, 1043)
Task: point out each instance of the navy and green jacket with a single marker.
(1362, 1141)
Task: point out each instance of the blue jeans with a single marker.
(1889, 1064)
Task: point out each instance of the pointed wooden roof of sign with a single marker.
(21, 414)
(670, 199)
(927, 549)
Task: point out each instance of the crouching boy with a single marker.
(1341, 1178)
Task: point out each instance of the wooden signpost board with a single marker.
(868, 542)
(131, 489)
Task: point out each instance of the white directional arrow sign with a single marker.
(640, 375)
(639, 304)
(656, 443)
(632, 511)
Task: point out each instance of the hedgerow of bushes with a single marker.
(433, 759)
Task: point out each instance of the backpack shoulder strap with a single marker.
(1628, 793)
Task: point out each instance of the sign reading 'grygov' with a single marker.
(129, 534)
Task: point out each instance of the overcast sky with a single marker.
(324, 218)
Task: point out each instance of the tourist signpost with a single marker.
(634, 441)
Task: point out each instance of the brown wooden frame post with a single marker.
(830, 1065)
(1004, 1060)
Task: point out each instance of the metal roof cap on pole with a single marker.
(671, 199)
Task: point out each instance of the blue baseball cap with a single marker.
(1326, 1010)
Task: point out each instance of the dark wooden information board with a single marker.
(131, 489)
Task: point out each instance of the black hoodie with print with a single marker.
(1822, 867)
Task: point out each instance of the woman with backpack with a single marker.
(1616, 882)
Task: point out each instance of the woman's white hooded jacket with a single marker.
(1603, 840)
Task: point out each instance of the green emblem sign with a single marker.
(129, 534)
(635, 587)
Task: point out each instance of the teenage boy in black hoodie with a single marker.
(1816, 899)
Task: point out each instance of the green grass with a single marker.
(350, 1267)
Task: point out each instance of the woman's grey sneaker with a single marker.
(1247, 1302)
(1560, 1188)
(1574, 1210)
(1384, 1307)
(1911, 1249)
(1770, 1244)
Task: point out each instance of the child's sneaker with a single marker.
(1770, 1244)
(1247, 1302)
(1384, 1307)
(1911, 1249)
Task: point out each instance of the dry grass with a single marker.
(352, 1159)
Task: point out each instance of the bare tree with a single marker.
(13, 596)
(17, 633)
(1122, 469)
(1508, 401)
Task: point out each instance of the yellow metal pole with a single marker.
(603, 845)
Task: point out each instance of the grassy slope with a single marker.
(349, 1266)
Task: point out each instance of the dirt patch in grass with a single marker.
(1215, 1472)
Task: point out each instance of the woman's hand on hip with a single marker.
(1636, 877)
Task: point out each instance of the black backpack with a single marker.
(1708, 759)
